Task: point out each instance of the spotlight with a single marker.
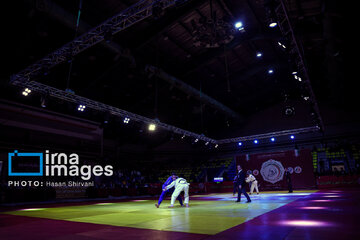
(152, 127)
(239, 26)
(289, 111)
(272, 24)
(272, 139)
(26, 92)
(126, 120)
(259, 54)
(292, 137)
(256, 141)
(43, 102)
(240, 143)
(281, 45)
(81, 108)
(271, 71)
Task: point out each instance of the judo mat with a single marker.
(208, 215)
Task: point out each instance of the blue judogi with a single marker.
(163, 194)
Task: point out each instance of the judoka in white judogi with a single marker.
(254, 183)
(180, 185)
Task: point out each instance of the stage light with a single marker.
(306, 98)
(272, 139)
(239, 26)
(126, 120)
(272, 24)
(152, 127)
(259, 54)
(271, 71)
(256, 141)
(26, 92)
(240, 143)
(43, 102)
(81, 108)
(297, 78)
(292, 137)
(289, 111)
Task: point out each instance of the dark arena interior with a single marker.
(177, 119)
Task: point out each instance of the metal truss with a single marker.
(269, 135)
(137, 12)
(102, 107)
(128, 17)
(296, 52)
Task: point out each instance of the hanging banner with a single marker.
(269, 168)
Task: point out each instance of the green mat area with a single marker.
(205, 217)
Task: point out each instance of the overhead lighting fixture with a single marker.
(272, 139)
(289, 111)
(126, 120)
(240, 143)
(26, 92)
(256, 141)
(271, 71)
(259, 54)
(272, 24)
(196, 140)
(239, 26)
(292, 137)
(207, 143)
(294, 73)
(183, 136)
(282, 45)
(152, 127)
(43, 102)
(81, 108)
(216, 146)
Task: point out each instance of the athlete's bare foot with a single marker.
(156, 205)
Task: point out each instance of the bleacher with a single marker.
(214, 168)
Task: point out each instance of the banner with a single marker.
(269, 168)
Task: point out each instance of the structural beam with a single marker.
(193, 92)
(269, 135)
(115, 24)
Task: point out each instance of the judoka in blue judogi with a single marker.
(163, 194)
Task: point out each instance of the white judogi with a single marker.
(254, 183)
(180, 185)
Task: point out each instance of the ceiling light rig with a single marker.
(293, 47)
(214, 31)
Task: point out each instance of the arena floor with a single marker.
(270, 215)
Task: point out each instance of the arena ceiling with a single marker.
(116, 71)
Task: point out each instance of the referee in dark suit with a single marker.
(241, 184)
